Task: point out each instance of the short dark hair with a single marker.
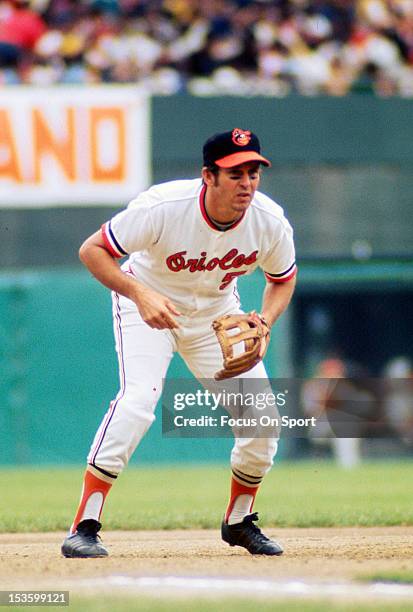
(213, 168)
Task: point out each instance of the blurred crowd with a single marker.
(209, 47)
(350, 406)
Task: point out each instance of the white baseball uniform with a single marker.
(177, 250)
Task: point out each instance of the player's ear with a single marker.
(208, 176)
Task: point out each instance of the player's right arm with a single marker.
(155, 309)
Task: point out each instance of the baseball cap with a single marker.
(233, 148)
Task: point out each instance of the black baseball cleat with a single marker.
(249, 536)
(85, 542)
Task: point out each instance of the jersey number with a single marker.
(229, 277)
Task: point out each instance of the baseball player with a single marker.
(187, 242)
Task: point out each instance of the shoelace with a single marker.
(91, 538)
(257, 533)
(90, 532)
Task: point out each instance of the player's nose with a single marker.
(245, 181)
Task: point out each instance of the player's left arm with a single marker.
(276, 298)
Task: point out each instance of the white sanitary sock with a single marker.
(241, 508)
(93, 507)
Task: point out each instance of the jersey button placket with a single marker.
(212, 252)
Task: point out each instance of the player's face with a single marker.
(233, 189)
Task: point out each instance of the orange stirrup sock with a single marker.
(94, 491)
(240, 503)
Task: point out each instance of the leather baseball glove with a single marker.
(252, 330)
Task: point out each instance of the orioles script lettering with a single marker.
(232, 259)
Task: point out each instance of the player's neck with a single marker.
(218, 214)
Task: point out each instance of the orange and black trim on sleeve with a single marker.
(283, 276)
(111, 243)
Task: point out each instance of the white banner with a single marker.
(73, 145)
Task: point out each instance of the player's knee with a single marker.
(254, 456)
(138, 404)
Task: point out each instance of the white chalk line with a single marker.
(210, 586)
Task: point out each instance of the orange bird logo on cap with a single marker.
(241, 137)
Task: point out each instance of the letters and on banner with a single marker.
(73, 145)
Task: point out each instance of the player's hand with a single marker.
(266, 339)
(156, 310)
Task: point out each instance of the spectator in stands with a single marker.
(248, 47)
(20, 29)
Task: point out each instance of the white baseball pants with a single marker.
(144, 355)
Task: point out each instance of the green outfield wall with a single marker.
(59, 370)
(296, 129)
(341, 167)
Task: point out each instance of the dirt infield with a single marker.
(29, 561)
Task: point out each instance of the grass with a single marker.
(141, 603)
(399, 577)
(293, 495)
